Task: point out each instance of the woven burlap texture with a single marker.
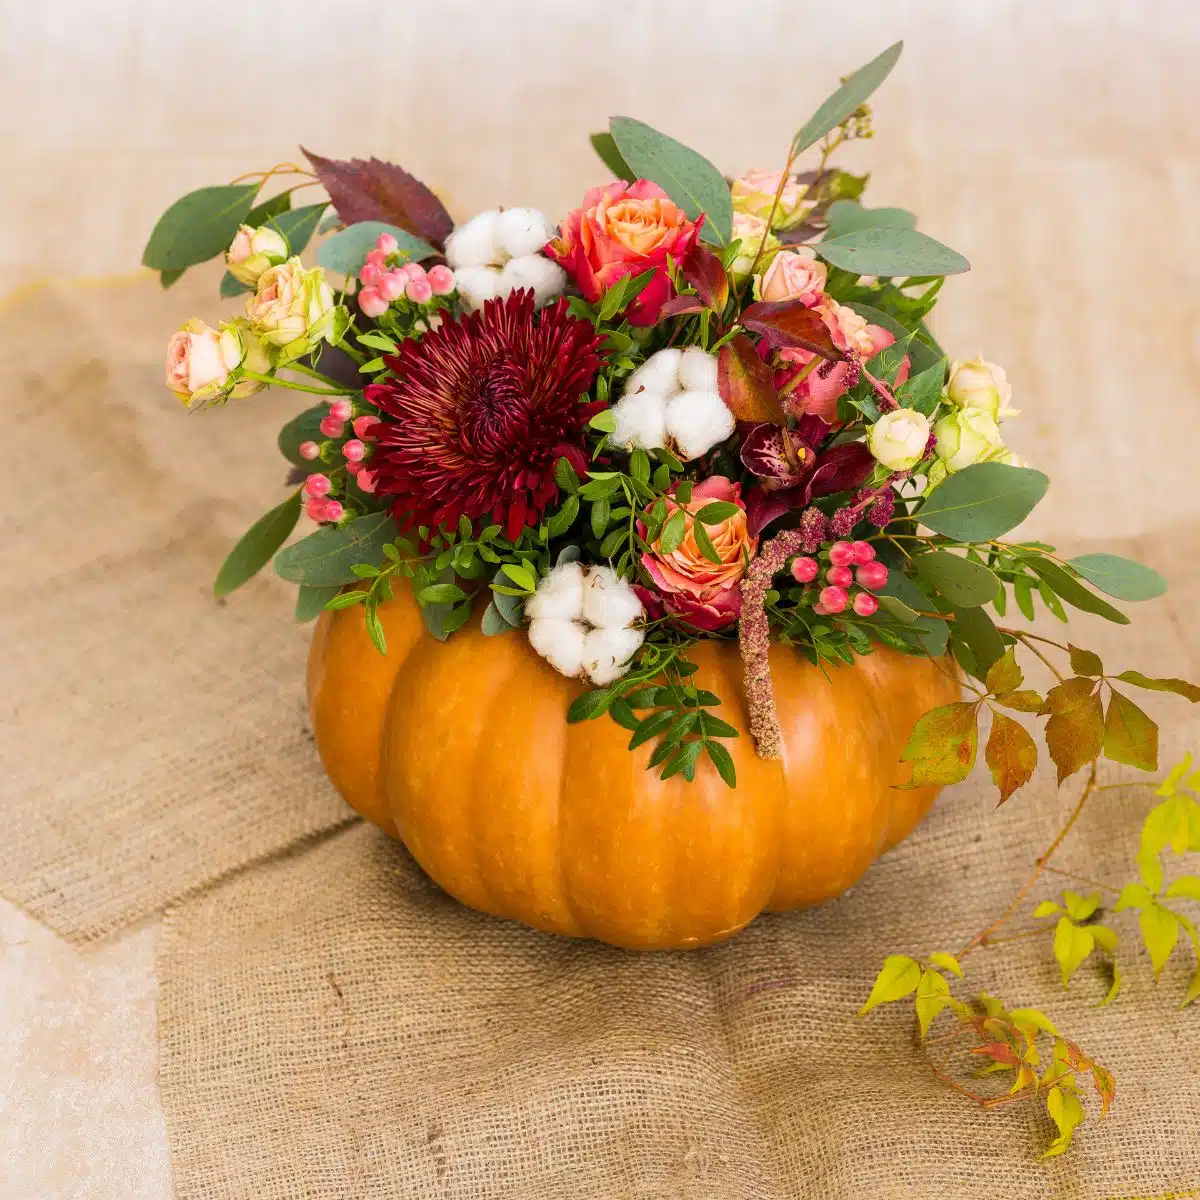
(152, 740)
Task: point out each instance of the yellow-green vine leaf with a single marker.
(947, 962)
(1032, 1019)
(1130, 736)
(1160, 932)
(1187, 886)
(1170, 786)
(1078, 907)
(942, 745)
(1066, 1112)
(1022, 700)
(1134, 895)
(1106, 938)
(1085, 662)
(1072, 944)
(1193, 990)
(933, 994)
(1011, 754)
(1047, 908)
(897, 978)
(1115, 987)
(1004, 675)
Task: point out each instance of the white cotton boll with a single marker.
(606, 653)
(522, 231)
(560, 643)
(559, 596)
(696, 422)
(658, 374)
(698, 370)
(609, 602)
(546, 278)
(474, 244)
(639, 422)
(477, 284)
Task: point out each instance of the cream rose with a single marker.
(965, 437)
(754, 193)
(898, 439)
(254, 251)
(751, 232)
(976, 383)
(200, 361)
(292, 307)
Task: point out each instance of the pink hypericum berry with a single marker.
(391, 285)
(354, 450)
(314, 510)
(366, 480)
(364, 425)
(804, 570)
(376, 258)
(371, 302)
(341, 410)
(317, 486)
(331, 510)
(833, 599)
(864, 552)
(387, 243)
(331, 427)
(840, 576)
(819, 610)
(309, 450)
(872, 575)
(441, 279)
(841, 554)
(419, 291)
(370, 275)
(413, 270)
(865, 605)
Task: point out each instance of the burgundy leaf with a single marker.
(367, 189)
(789, 324)
(704, 271)
(745, 383)
(681, 306)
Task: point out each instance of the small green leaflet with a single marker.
(982, 501)
(855, 91)
(606, 148)
(199, 226)
(923, 392)
(255, 547)
(1119, 577)
(324, 558)
(891, 252)
(346, 252)
(687, 177)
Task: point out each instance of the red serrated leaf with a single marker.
(1000, 1051)
(705, 272)
(368, 189)
(1105, 1085)
(788, 323)
(681, 306)
(1011, 754)
(745, 383)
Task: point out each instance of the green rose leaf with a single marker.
(974, 628)
(231, 287)
(856, 90)
(324, 558)
(982, 501)
(717, 511)
(922, 351)
(1120, 577)
(686, 176)
(898, 978)
(255, 547)
(199, 226)
(885, 251)
(310, 601)
(942, 745)
(610, 156)
(848, 216)
(964, 583)
(167, 278)
(345, 252)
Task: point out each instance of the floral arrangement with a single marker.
(692, 409)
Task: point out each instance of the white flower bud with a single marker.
(559, 595)
(253, 251)
(546, 278)
(474, 243)
(659, 374)
(976, 383)
(698, 370)
(639, 421)
(966, 437)
(608, 601)
(477, 284)
(898, 439)
(522, 231)
(606, 653)
(696, 422)
(560, 643)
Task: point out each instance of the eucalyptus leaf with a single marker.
(686, 176)
(345, 252)
(232, 287)
(606, 148)
(298, 225)
(963, 582)
(255, 547)
(973, 628)
(198, 226)
(848, 216)
(304, 427)
(310, 601)
(1068, 588)
(884, 251)
(494, 622)
(1119, 577)
(261, 213)
(982, 501)
(856, 90)
(324, 558)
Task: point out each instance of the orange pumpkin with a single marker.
(461, 749)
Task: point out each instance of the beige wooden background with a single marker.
(1054, 142)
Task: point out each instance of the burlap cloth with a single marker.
(332, 1026)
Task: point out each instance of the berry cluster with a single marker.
(319, 487)
(385, 280)
(844, 586)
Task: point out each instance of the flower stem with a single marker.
(304, 370)
(275, 381)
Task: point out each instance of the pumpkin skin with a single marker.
(461, 749)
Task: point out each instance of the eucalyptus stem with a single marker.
(275, 381)
(306, 370)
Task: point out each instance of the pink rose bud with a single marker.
(370, 275)
(317, 486)
(441, 279)
(387, 243)
(864, 552)
(872, 575)
(841, 554)
(865, 605)
(309, 450)
(376, 258)
(804, 570)
(391, 285)
(364, 425)
(372, 303)
(833, 599)
(331, 427)
(354, 450)
(366, 480)
(331, 510)
(419, 291)
(840, 576)
(341, 410)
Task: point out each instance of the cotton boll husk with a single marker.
(522, 231)
(546, 278)
(698, 370)
(474, 243)
(477, 284)
(696, 422)
(659, 374)
(559, 596)
(606, 653)
(560, 643)
(639, 421)
(609, 602)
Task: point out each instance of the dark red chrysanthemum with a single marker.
(478, 412)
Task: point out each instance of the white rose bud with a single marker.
(898, 439)
(254, 251)
(983, 385)
(292, 307)
(965, 437)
